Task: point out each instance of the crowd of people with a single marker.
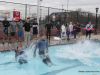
(11, 29)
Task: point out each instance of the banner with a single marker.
(16, 15)
(4, 13)
(10, 15)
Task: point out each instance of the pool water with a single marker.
(72, 59)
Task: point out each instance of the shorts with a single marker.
(35, 31)
(20, 33)
(6, 31)
(12, 33)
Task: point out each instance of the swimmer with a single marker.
(19, 55)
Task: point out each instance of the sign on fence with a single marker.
(10, 15)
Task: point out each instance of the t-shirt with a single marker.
(20, 26)
(58, 27)
(35, 26)
(71, 28)
(48, 26)
(6, 23)
(75, 28)
(27, 26)
(13, 26)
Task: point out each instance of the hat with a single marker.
(13, 19)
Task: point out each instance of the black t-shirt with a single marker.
(6, 23)
(48, 26)
(78, 25)
(27, 27)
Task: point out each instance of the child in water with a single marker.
(19, 55)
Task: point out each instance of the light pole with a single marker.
(96, 21)
(62, 14)
(67, 11)
(38, 13)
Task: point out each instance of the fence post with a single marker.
(48, 13)
(77, 16)
(25, 11)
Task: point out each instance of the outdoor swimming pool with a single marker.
(72, 59)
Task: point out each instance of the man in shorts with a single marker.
(13, 27)
(6, 25)
(35, 30)
(20, 30)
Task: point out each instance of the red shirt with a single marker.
(74, 28)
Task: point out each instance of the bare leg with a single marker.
(3, 38)
(8, 38)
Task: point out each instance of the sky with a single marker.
(85, 5)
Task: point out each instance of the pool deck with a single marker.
(13, 46)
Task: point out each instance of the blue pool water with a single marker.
(72, 59)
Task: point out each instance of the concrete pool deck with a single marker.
(13, 46)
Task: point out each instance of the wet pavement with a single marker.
(13, 46)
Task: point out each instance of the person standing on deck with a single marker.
(71, 29)
(79, 30)
(13, 28)
(35, 29)
(6, 25)
(58, 28)
(26, 28)
(20, 30)
(75, 31)
(89, 30)
(48, 28)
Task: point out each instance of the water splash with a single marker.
(88, 53)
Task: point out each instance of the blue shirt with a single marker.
(42, 45)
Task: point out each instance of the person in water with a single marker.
(42, 44)
(19, 55)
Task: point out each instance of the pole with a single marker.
(38, 12)
(67, 10)
(48, 14)
(65, 17)
(77, 16)
(88, 18)
(29, 10)
(96, 25)
(25, 11)
(62, 14)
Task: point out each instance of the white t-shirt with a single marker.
(71, 28)
(63, 28)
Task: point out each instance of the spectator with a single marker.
(6, 25)
(88, 30)
(42, 30)
(13, 27)
(35, 30)
(68, 33)
(27, 27)
(58, 28)
(20, 30)
(63, 31)
(75, 30)
(78, 30)
(48, 27)
(71, 29)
